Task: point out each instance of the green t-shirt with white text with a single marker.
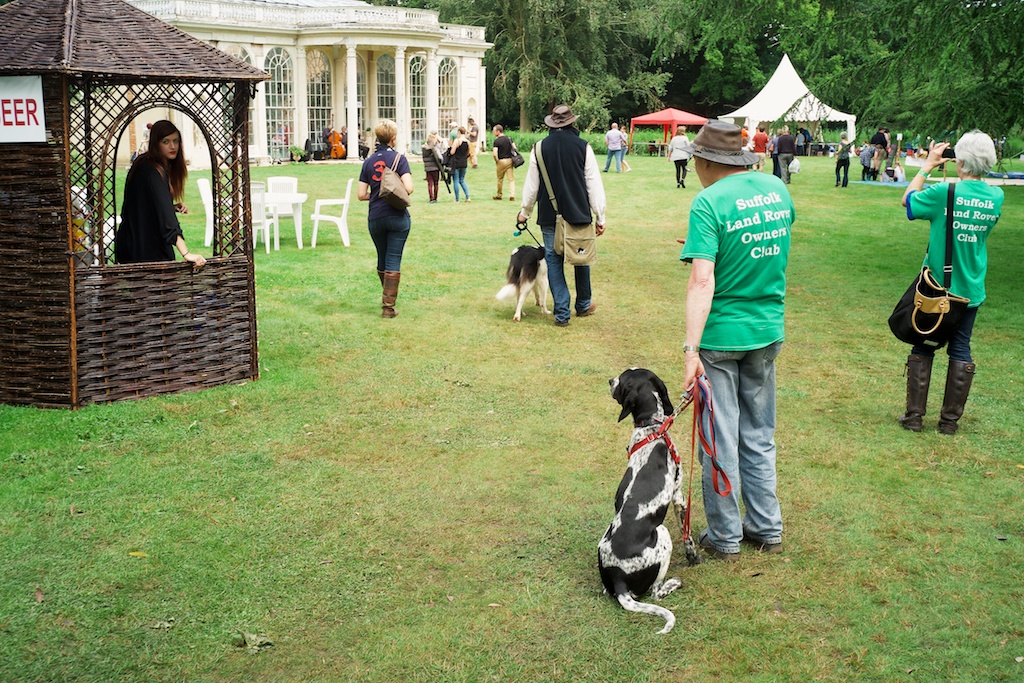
(976, 209)
(743, 223)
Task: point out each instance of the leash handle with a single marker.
(704, 427)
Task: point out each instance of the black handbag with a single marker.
(927, 314)
(517, 158)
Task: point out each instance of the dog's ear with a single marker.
(666, 398)
(627, 397)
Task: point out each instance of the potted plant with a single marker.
(298, 154)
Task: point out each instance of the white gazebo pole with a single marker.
(433, 100)
(352, 96)
(301, 131)
(401, 102)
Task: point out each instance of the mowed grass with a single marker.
(420, 499)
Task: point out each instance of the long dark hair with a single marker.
(175, 170)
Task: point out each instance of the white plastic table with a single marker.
(281, 200)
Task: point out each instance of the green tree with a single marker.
(945, 65)
(586, 53)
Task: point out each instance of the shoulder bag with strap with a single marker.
(392, 189)
(928, 313)
(517, 158)
(576, 243)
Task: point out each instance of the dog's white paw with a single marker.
(666, 588)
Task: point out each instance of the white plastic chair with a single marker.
(341, 221)
(206, 194)
(283, 185)
(109, 235)
(263, 216)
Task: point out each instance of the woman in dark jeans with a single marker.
(981, 205)
(459, 155)
(843, 160)
(389, 227)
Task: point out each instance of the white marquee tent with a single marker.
(786, 97)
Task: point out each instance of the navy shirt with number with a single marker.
(373, 171)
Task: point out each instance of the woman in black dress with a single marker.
(149, 230)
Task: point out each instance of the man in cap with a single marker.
(738, 244)
(453, 131)
(576, 184)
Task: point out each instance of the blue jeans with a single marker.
(618, 155)
(389, 234)
(556, 279)
(743, 396)
(459, 180)
(960, 343)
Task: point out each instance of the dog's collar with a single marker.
(653, 422)
(660, 433)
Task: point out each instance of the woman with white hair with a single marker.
(977, 207)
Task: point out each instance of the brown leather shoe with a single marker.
(714, 553)
(766, 548)
(589, 311)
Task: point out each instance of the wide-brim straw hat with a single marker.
(721, 142)
(560, 117)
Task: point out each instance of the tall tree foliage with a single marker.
(586, 53)
(944, 65)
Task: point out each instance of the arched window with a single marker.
(318, 93)
(448, 92)
(243, 55)
(280, 103)
(386, 100)
(418, 100)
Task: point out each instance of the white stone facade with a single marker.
(339, 63)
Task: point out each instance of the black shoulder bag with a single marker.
(927, 314)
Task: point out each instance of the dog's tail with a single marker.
(628, 603)
(506, 293)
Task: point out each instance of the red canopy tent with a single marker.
(669, 118)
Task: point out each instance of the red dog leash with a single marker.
(704, 428)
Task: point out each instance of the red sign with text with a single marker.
(21, 109)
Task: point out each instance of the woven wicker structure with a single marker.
(76, 328)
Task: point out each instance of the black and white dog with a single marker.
(635, 551)
(527, 272)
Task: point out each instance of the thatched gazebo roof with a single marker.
(108, 39)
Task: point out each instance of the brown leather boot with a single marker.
(380, 274)
(958, 386)
(391, 279)
(919, 377)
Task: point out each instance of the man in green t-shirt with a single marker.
(738, 244)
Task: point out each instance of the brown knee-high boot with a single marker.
(380, 274)
(958, 386)
(391, 279)
(919, 376)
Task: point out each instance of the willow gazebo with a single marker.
(75, 327)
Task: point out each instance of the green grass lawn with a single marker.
(420, 499)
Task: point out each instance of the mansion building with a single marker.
(335, 63)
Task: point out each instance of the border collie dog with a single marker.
(634, 553)
(527, 272)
